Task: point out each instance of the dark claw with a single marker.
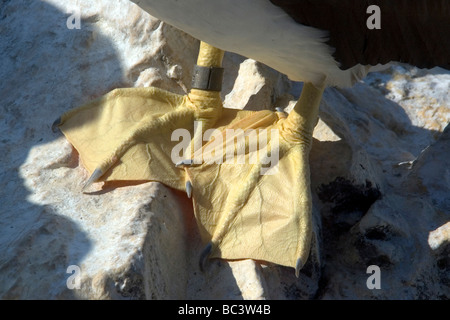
(298, 267)
(204, 256)
(55, 125)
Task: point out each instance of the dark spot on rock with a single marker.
(348, 197)
(370, 254)
(382, 261)
(443, 263)
(377, 233)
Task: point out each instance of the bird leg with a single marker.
(205, 93)
(128, 134)
(247, 209)
(298, 128)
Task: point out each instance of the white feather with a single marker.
(259, 30)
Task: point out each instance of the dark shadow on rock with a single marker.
(39, 54)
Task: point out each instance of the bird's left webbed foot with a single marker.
(251, 193)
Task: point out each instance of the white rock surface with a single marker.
(380, 171)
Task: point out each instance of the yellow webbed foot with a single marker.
(251, 193)
(127, 134)
(131, 133)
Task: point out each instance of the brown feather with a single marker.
(412, 31)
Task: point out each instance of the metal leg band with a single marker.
(207, 78)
